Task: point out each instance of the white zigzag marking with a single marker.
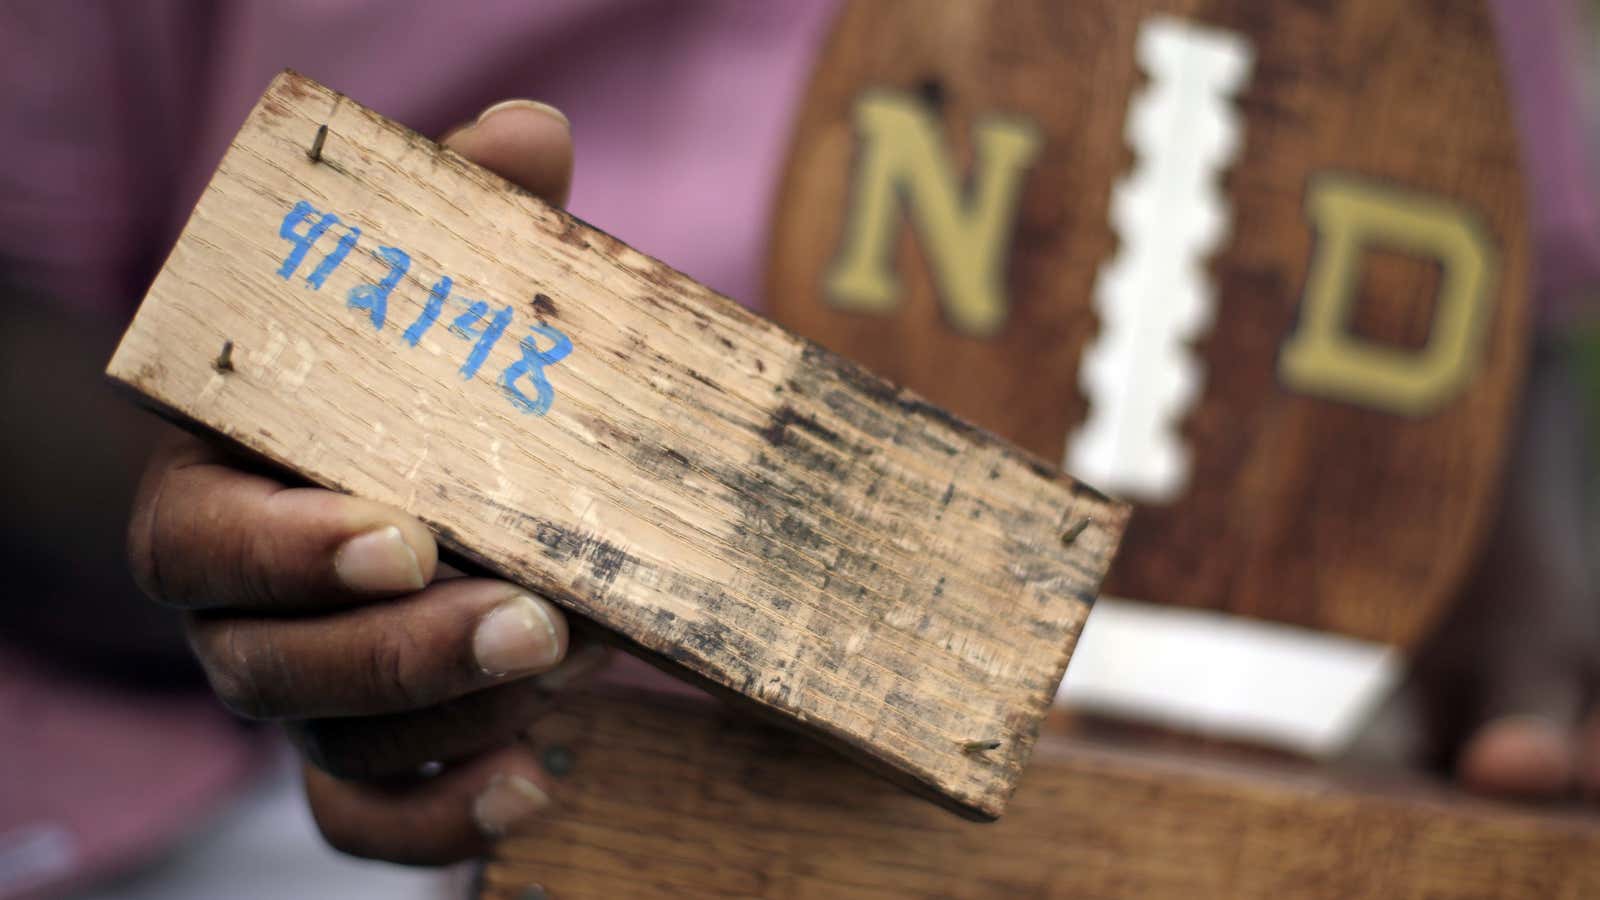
(1154, 297)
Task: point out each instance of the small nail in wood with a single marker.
(980, 746)
(1072, 533)
(316, 143)
(224, 361)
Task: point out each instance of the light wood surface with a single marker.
(737, 504)
(668, 797)
(1318, 510)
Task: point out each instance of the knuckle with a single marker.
(255, 567)
(141, 536)
(401, 669)
(157, 543)
(141, 558)
(234, 664)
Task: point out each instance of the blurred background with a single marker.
(120, 776)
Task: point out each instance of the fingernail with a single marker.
(574, 667)
(515, 638)
(507, 802)
(378, 561)
(534, 105)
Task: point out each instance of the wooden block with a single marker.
(669, 797)
(736, 503)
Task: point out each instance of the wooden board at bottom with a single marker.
(674, 797)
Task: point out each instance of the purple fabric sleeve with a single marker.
(1544, 46)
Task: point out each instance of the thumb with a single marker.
(525, 142)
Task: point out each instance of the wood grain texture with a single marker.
(673, 798)
(736, 503)
(1299, 508)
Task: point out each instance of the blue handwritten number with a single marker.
(531, 366)
(430, 311)
(304, 225)
(375, 297)
(301, 215)
(332, 260)
(466, 325)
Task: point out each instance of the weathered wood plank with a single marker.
(673, 797)
(733, 501)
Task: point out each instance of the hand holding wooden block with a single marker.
(357, 305)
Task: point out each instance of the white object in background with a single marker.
(1219, 674)
(1154, 296)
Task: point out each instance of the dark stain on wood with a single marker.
(703, 380)
(776, 429)
(872, 386)
(605, 559)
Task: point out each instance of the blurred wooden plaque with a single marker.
(1259, 267)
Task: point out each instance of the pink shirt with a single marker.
(119, 112)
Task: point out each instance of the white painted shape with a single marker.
(1154, 297)
(1227, 676)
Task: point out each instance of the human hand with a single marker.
(1507, 686)
(328, 613)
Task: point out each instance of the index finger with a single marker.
(207, 534)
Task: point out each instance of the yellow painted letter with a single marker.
(964, 236)
(1322, 357)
